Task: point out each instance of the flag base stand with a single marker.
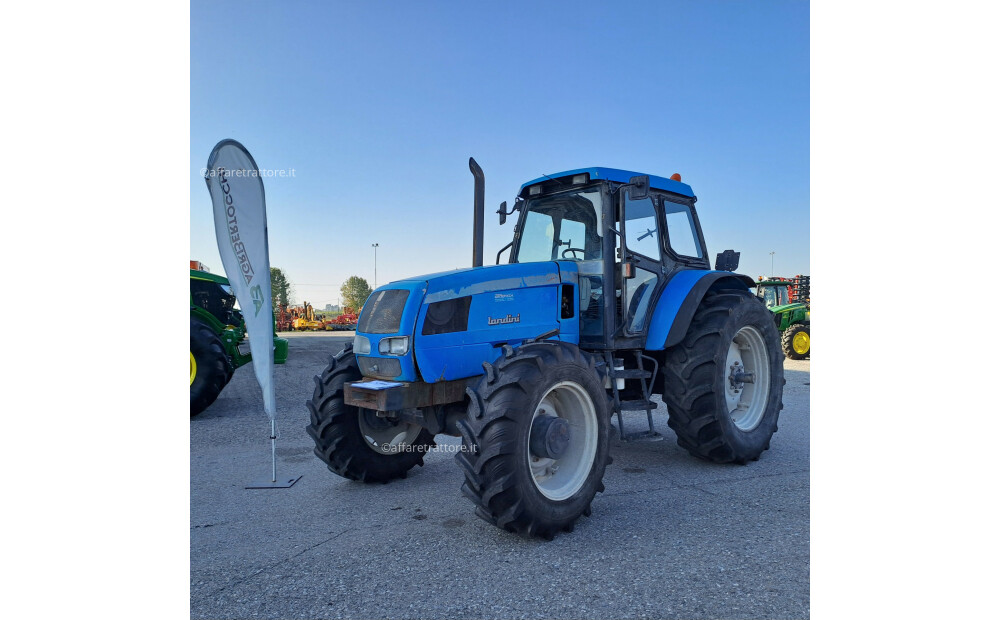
(274, 482)
(281, 483)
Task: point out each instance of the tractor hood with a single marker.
(787, 307)
(454, 321)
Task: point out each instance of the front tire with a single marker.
(535, 439)
(716, 415)
(795, 342)
(210, 371)
(354, 442)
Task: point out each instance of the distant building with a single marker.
(332, 308)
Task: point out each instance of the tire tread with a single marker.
(690, 372)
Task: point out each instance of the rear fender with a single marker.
(680, 298)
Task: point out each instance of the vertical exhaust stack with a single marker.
(479, 213)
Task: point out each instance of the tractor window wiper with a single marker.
(647, 234)
(551, 179)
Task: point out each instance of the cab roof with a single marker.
(208, 277)
(618, 176)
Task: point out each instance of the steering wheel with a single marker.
(574, 250)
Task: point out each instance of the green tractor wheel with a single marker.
(795, 342)
(209, 367)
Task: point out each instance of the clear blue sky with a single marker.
(378, 106)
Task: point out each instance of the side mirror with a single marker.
(503, 212)
(639, 187)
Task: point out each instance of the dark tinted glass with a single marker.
(448, 316)
(383, 311)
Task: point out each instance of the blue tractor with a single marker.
(607, 298)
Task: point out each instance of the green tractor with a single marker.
(788, 300)
(217, 330)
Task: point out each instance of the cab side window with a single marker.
(641, 229)
(680, 230)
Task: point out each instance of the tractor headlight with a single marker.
(397, 345)
(362, 345)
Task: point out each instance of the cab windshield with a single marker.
(562, 226)
(773, 295)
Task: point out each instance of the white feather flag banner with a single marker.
(241, 231)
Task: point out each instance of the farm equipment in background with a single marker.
(304, 318)
(788, 300)
(608, 298)
(282, 318)
(799, 291)
(217, 331)
(348, 320)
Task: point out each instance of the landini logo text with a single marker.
(505, 320)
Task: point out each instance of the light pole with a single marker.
(772, 264)
(375, 245)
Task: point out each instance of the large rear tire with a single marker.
(535, 439)
(716, 415)
(353, 442)
(795, 342)
(210, 371)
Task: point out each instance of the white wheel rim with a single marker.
(746, 402)
(559, 479)
(390, 439)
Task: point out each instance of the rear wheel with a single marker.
(354, 442)
(535, 439)
(795, 342)
(723, 383)
(210, 370)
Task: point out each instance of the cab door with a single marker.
(641, 262)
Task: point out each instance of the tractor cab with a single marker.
(214, 294)
(773, 292)
(605, 225)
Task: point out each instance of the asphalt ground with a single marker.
(672, 536)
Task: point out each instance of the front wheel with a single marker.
(795, 342)
(356, 443)
(535, 439)
(723, 383)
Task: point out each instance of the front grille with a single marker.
(379, 367)
(383, 312)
